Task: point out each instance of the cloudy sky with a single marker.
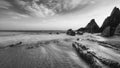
(53, 14)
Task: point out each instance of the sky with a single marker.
(53, 14)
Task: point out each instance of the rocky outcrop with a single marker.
(117, 31)
(81, 30)
(91, 58)
(91, 27)
(70, 32)
(82, 52)
(113, 21)
(106, 32)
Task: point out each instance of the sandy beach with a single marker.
(49, 51)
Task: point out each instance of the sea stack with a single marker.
(92, 27)
(112, 21)
(106, 32)
(117, 31)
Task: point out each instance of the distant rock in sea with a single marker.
(113, 21)
(70, 32)
(91, 27)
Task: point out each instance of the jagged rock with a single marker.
(106, 32)
(81, 30)
(110, 63)
(86, 56)
(117, 31)
(113, 21)
(14, 45)
(70, 32)
(92, 27)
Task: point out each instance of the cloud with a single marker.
(17, 6)
(43, 8)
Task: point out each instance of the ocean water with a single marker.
(13, 33)
(9, 33)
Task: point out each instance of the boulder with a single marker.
(70, 32)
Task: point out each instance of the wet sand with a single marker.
(48, 51)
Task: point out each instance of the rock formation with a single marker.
(81, 30)
(117, 31)
(106, 32)
(92, 27)
(70, 32)
(113, 21)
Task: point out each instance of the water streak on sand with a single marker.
(43, 50)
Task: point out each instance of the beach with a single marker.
(49, 51)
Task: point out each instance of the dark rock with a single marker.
(113, 21)
(19, 43)
(57, 33)
(75, 46)
(83, 47)
(70, 32)
(81, 30)
(117, 31)
(109, 62)
(92, 27)
(30, 47)
(14, 45)
(78, 39)
(105, 24)
(106, 32)
(86, 56)
(50, 33)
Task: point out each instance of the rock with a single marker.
(113, 21)
(110, 63)
(70, 32)
(30, 47)
(117, 31)
(50, 33)
(57, 33)
(78, 39)
(80, 30)
(85, 55)
(92, 27)
(14, 45)
(75, 46)
(106, 32)
(105, 24)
